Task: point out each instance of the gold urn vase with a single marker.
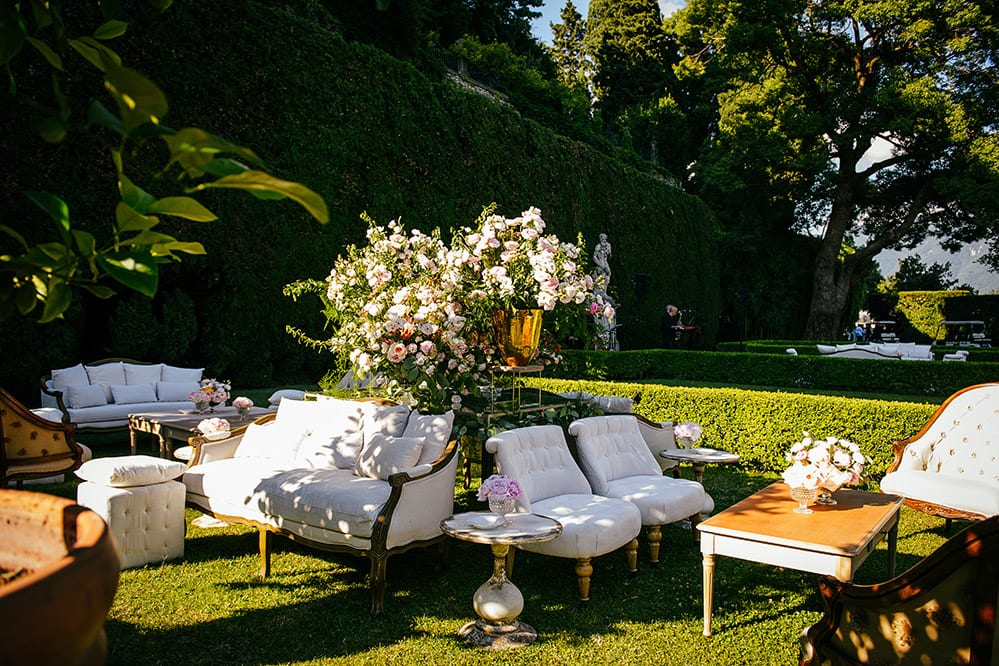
(517, 335)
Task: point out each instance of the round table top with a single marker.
(520, 528)
(701, 455)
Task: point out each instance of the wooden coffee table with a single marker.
(169, 427)
(833, 540)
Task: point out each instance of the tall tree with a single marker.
(875, 119)
(630, 54)
(567, 47)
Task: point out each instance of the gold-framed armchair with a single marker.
(941, 611)
(33, 447)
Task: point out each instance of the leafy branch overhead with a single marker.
(46, 273)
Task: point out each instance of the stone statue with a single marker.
(601, 261)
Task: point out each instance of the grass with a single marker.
(212, 608)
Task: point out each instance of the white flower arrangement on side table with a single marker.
(687, 433)
(501, 492)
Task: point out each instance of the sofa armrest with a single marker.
(206, 450)
(418, 504)
(55, 398)
(658, 437)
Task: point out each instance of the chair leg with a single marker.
(264, 539)
(694, 520)
(584, 570)
(655, 536)
(379, 565)
(631, 553)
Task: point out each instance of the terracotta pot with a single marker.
(53, 612)
(517, 335)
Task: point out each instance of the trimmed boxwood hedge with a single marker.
(935, 379)
(761, 425)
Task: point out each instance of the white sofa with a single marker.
(101, 395)
(950, 468)
(364, 477)
(906, 351)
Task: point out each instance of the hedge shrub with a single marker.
(760, 425)
(937, 380)
(924, 310)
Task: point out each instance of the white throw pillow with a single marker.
(326, 451)
(435, 429)
(125, 471)
(383, 456)
(75, 375)
(175, 391)
(386, 419)
(291, 394)
(106, 374)
(142, 374)
(171, 373)
(132, 394)
(274, 440)
(79, 396)
(333, 416)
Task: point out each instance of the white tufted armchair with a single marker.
(539, 459)
(950, 468)
(617, 462)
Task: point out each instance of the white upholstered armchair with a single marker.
(539, 459)
(950, 468)
(618, 463)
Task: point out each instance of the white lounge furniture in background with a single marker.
(538, 458)
(950, 468)
(618, 463)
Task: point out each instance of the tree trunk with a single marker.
(832, 278)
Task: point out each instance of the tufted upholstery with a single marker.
(147, 522)
(951, 467)
(539, 459)
(34, 448)
(618, 463)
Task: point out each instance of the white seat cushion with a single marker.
(662, 499)
(972, 494)
(591, 525)
(126, 471)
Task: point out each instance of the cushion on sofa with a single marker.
(125, 471)
(383, 455)
(134, 393)
(273, 441)
(136, 373)
(325, 450)
(170, 373)
(435, 429)
(291, 394)
(105, 375)
(174, 391)
(386, 419)
(76, 374)
(79, 396)
(327, 415)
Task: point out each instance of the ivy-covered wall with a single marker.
(369, 133)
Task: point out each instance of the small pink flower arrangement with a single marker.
(499, 486)
(242, 403)
(687, 430)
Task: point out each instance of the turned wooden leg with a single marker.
(584, 570)
(378, 568)
(708, 573)
(264, 540)
(655, 536)
(631, 552)
(694, 521)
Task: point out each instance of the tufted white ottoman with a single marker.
(141, 503)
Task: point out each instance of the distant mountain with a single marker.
(963, 265)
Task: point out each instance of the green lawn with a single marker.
(212, 608)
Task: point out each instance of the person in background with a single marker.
(670, 323)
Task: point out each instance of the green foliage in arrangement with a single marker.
(761, 425)
(936, 379)
(370, 134)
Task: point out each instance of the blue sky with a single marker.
(552, 8)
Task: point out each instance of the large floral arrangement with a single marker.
(687, 431)
(414, 315)
(828, 463)
(214, 428)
